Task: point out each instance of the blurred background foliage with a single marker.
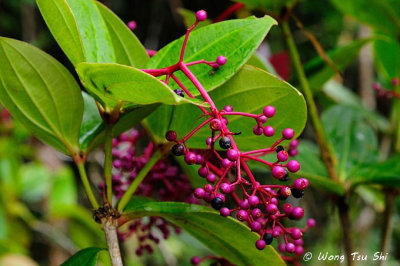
(41, 222)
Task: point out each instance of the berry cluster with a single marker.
(382, 92)
(227, 172)
(164, 182)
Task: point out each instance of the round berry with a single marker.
(298, 213)
(245, 204)
(294, 143)
(228, 108)
(225, 143)
(208, 197)
(285, 192)
(269, 131)
(288, 133)
(226, 163)
(260, 244)
(272, 209)
(274, 201)
(132, 25)
(255, 226)
(262, 119)
(293, 152)
(215, 124)
(199, 159)
(297, 193)
(258, 130)
(279, 148)
(285, 177)
(282, 156)
(211, 178)
(224, 212)
(178, 149)
(299, 250)
(256, 213)
(296, 233)
(208, 187)
(179, 92)
(269, 111)
(208, 141)
(203, 171)
(282, 247)
(201, 15)
(242, 215)
(221, 60)
(253, 200)
(301, 183)
(170, 135)
(225, 188)
(276, 233)
(290, 247)
(377, 86)
(199, 193)
(395, 82)
(224, 120)
(298, 242)
(232, 155)
(293, 166)
(278, 172)
(217, 203)
(190, 158)
(195, 260)
(268, 238)
(311, 222)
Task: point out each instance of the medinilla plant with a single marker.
(196, 99)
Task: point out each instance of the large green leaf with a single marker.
(87, 257)
(64, 190)
(236, 39)
(128, 49)
(319, 72)
(385, 173)
(250, 90)
(344, 96)
(79, 29)
(112, 83)
(387, 56)
(41, 94)
(225, 236)
(354, 141)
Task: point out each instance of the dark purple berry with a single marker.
(279, 148)
(170, 135)
(217, 203)
(179, 92)
(268, 238)
(225, 143)
(297, 193)
(178, 149)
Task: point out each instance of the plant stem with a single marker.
(346, 228)
(86, 185)
(138, 179)
(328, 154)
(387, 225)
(108, 161)
(110, 229)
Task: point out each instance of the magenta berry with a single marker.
(221, 60)
(208, 141)
(215, 124)
(278, 172)
(260, 244)
(301, 183)
(395, 82)
(299, 250)
(170, 135)
(290, 247)
(311, 222)
(228, 108)
(258, 130)
(294, 144)
(268, 131)
(131, 25)
(298, 242)
(211, 178)
(225, 188)
(293, 166)
(276, 233)
(253, 200)
(226, 163)
(195, 260)
(297, 213)
(282, 247)
(282, 156)
(208, 187)
(203, 171)
(225, 212)
(288, 133)
(285, 192)
(190, 158)
(296, 233)
(255, 226)
(269, 111)
(201, 15)
(242, 215)
(232, 155)
(199, 193)
(245, 205)
(262, 119)
(272, 209)
(256, 213)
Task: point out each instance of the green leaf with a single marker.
(258, 61)
(250, 90)
(127, 48)
(41, 94)
(314, 169)
(112, 83)
(384, 173)
(93, 128)
(344, 96)
(379, 14)
(225, 236)
(354, 141)
(319, 72)
(236, 39)
(34, 183)
(387, 56)
(87, 257)
(274, 6)
(64, 190)
(79, 29)
(191, 172)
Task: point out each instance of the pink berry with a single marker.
(269, 131)
(221, 60)
(395, 82)
(276, 233)
(311, 222)
(282, 247)
(256, 213)
(299, 250)
(260, 244)
(225, 188)
(301, 183)
(253, 200)
(296, 233)
(272, 209)
(242, 215)
(215, 124)
(199, 159)
(274, 201)
(290, 247)
(225, 212)
(190, 158)
(262, 119)
(278, 172)
(245, 204)
(294, 143)
(226, 163)
(232, 155)
(298, 242)
(195, 260)
(293, 152)
(257, 130)
(199, 193)
(287, 208)
(203, 171)
(255, 226)
(298, 213)
(288, 133)
(201, 15)
(269, 111)
(282, 156)
(285, 192)
(211, 178)
(208, 187)
(132, 25)
(228, 108)
(293, 166)
(208, 141)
